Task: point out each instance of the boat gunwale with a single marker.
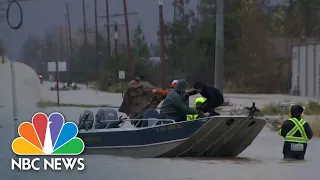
(121, 129)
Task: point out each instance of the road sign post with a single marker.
(122, 76)
(57, 67)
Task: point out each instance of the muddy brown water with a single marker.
(260, 161)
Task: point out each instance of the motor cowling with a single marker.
(86, 120)
(107, 118)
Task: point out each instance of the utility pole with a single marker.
(85, 38)
(66, 40)
(219, 55)
(162, 46)
(97, 35)
(14, 96)
(128, 39)
(61, 49)
(173, 38)
(125, 14)
(108, 29)
(70, 38)
(174, 10)
(57, 73)
(84, 22)
(116, 37)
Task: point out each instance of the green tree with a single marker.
(141, 53)
(309, 15)
(85, 64)
(140, 48)
(297, 19)
(190, 44)
(178, 37)
(31, 50)
(205, 37)
(155, 50)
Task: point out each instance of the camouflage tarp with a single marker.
(139, 98)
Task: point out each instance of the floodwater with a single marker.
(260, 161)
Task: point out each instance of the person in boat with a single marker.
(198, 102)
(174, 106)
(166, 92)
(296, 132)
(138, 98)
(214, 97)
(136, 80)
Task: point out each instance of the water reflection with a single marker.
(291, 161)
(217, 160)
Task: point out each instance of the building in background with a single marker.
(305, 69)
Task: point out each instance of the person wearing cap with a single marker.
(214, 97)
(166, 92)
(198, 102)
(136, 80)
(140, 78)
(174, 106)
(296, 132)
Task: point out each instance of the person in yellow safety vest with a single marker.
(296, 133)
(197, 103)
(73, 85)
(65, 85)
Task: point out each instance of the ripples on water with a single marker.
(261, 161)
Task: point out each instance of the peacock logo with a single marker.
(47, 136)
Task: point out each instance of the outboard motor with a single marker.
(250, 111)
(86, 120)
(105, 114)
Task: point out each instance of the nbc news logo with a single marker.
(47, 136)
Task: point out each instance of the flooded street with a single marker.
(244, 58)
(261, 160)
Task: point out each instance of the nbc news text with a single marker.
(56, 164)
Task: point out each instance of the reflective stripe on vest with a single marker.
(192, 116)
(279, 131)
(298, 127)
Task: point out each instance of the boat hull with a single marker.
(217, 138)
(138, 142)
(223, 136)
(146, 151)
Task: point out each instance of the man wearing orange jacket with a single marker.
(166, 92)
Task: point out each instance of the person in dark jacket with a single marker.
(296, 133)
(174, 106)
(213, 95)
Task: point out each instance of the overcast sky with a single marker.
(40, 15)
